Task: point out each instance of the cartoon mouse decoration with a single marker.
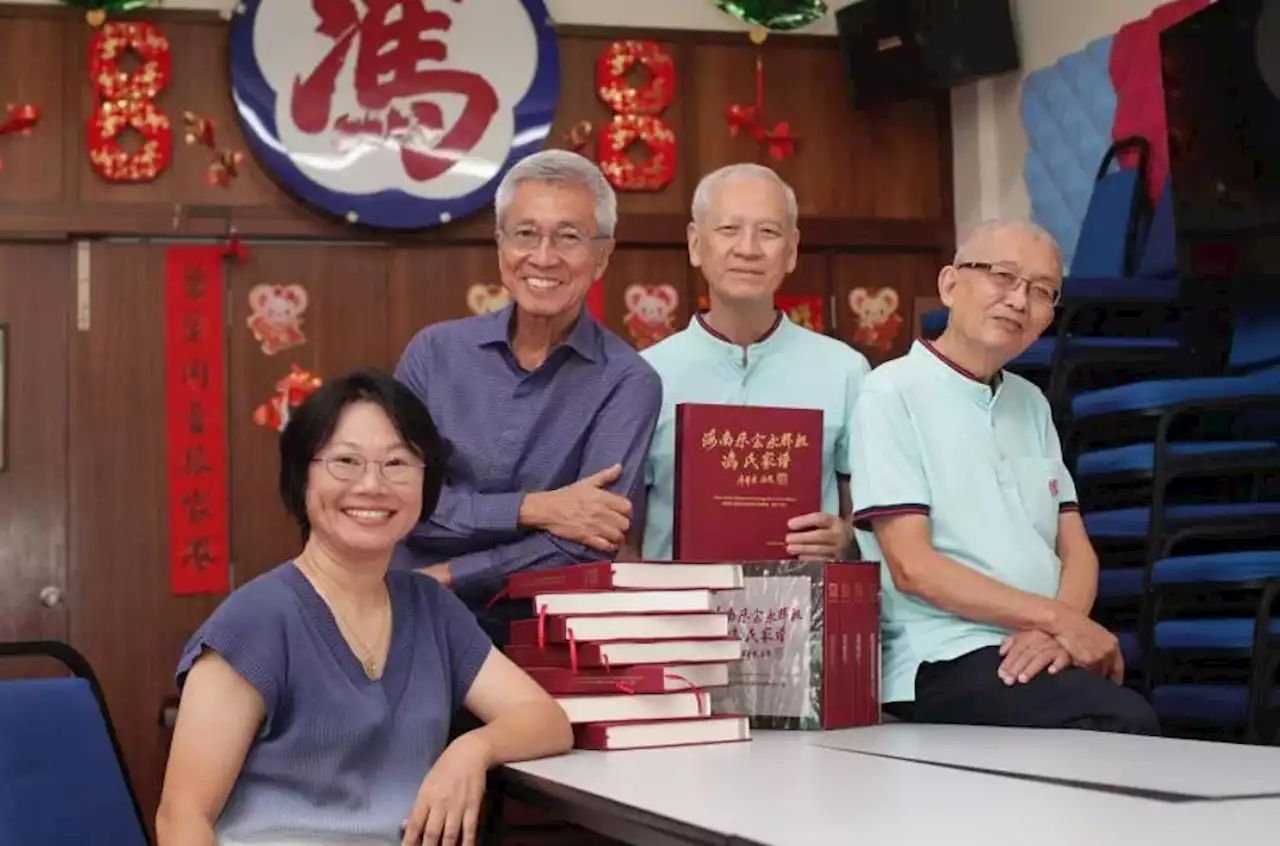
(276, 316)
(878, 318)
(650, 313)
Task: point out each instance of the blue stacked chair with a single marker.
(63, 781)
(1176, 488)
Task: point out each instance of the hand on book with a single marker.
(583, 512)
(817, 537)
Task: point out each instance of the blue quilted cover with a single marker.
(1067, 112)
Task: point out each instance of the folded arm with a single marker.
(466, 519)
(620, 434)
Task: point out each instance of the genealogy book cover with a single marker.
(741, 472)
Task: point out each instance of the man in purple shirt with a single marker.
(547, 415)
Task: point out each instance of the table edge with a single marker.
(606, 816)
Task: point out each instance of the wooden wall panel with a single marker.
(882, 163)
(345, 326)
(907, 275)
(32, 71)
(35, 311)
(724, 74)
(123, 617)
(430, 284)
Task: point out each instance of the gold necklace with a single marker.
(369, 663)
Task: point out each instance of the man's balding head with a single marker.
(1002, 287)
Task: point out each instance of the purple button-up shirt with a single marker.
(593, 403)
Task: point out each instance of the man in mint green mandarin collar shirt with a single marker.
(961, 492)
(744, 351)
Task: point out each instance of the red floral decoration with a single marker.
(291, 392)
(636, 116)
(225, 163)
(19, 120)
(127, 100)
(578, 136)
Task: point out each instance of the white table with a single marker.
(782, 789)
(1178, 768)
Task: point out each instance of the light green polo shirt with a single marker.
(986, 467)
(790, 367)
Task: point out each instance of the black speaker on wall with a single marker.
(902, 49)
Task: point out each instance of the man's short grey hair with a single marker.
(561, 166)
(708, 185)
(988, 228)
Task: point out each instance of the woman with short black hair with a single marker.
(317, 699)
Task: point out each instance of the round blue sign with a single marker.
(396, 114)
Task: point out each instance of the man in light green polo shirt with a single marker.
(744, 351)
(961, 492)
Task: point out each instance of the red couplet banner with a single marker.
(195, 398)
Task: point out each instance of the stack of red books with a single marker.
(632, 650)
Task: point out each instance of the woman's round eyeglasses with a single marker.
(349, 468)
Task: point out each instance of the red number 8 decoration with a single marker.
(636, 116)
(126, 100)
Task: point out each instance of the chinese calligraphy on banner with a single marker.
(195, 391)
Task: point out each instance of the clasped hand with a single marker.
(447, 810)
(1079, 641)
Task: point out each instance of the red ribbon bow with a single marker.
(743, 119)
(20, 119)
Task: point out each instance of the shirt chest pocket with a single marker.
(1035, 482)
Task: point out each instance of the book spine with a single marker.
(580, 577)
(559, 681)
(681, 424)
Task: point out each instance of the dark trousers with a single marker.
(967, 691)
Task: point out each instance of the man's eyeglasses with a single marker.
(349, 468)
(1040, 291)
(565, 242)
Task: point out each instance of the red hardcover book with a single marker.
(620, 653)
(655, 734)
(641, 678)
(609, 627)
(624, 575)
(610, 708)
(810, 633)
(741, 472)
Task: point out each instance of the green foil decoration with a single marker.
(775, 15)
(96, 11)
